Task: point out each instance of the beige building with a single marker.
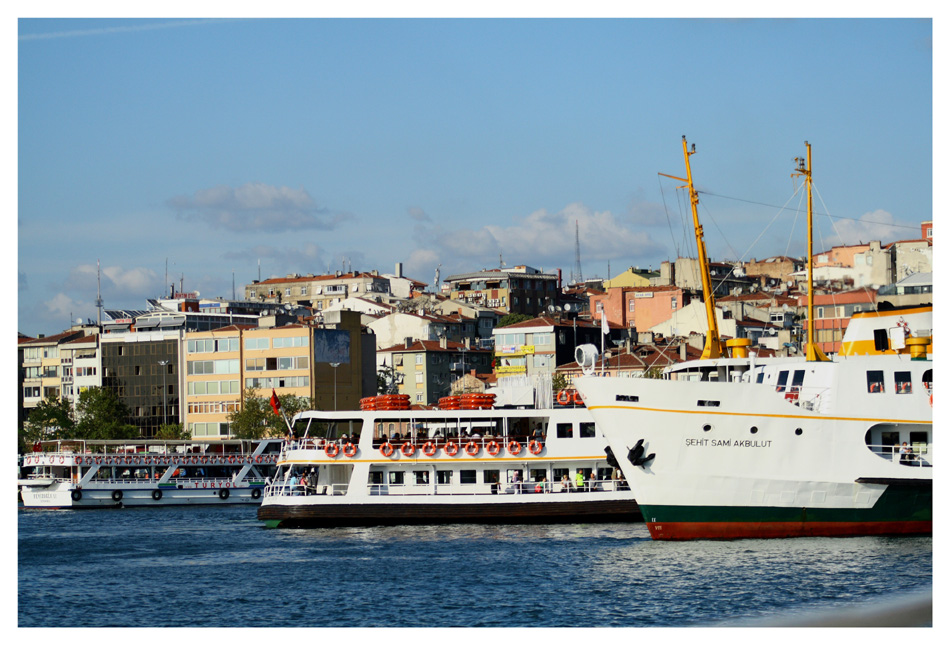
(325, 364)
(320, 290)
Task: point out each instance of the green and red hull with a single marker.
(901, 510)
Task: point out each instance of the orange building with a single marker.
(638, 307)
(833, 311)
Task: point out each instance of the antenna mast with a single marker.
(714, 347)
(98, 295)
(578, 276)
(812, 351)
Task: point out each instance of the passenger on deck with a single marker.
(565, 484)
(579, 481)
(907, 455)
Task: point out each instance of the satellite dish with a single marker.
(197, 294)
(586, 357)
(551, 309)
(79, 321)
(566, 308)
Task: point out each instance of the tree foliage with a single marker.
(51, 419)
(511, 319)
(101, 415)
(256, 418)
(172, 431)
(558, 382)
(387, 380)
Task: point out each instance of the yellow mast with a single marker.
(713, 347)
(812, 351)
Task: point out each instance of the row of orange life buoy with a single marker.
(333, 449)
(451, 448)
(385, 402)
(567, 397)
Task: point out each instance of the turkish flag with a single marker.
(274, 402)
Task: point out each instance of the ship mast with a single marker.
(713, 347)
(812, 351)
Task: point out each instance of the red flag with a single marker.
(275, 402)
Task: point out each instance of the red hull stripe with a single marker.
(736, 530)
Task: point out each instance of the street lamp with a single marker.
(164, 394)
(334, 366)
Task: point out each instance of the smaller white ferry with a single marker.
(97, 474)
(466, 464)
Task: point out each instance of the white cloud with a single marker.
(419, 214)
(256, 207)
(117, 282)
(878, 225)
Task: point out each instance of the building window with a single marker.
(673, 303)
(631, 306)
(420, 359)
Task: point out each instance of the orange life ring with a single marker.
(230, 459)
(148, 461)
(535, 447)
(349, 449)
(931, 400)
(332, 449)
(451, 448)
(471, 448)
(514, 447)
(78, 460)
(387, 449)
(408, 449)
(564, 397)
(577, 398)
(204, 459)
(429, 449)
(492, 448)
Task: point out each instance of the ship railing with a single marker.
(509, 488)
(286, 489)
(921, 454)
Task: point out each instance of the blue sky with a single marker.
(309, 144)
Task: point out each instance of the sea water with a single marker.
(219, 567)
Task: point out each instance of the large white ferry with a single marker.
(747, 447)
(96, 474)
(376, 467)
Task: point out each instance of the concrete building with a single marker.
(632, 277)
(833, 312)
(318, 291)
(538, 346)
(521, 290)
(42, 368)
(426, 369)
(638, 307)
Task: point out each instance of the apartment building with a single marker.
(521, 290)
(42, 368)
(638, 307)
(539, 345)
(318, 291)
(426, 369)
(833, 313)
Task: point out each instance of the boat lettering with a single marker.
(727, 443)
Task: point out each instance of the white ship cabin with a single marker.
(433, 452)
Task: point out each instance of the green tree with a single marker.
(511, 319)
(386, 380)
(558, 382)
(172, 431)
(101, 415)
(51, 419)
(256, 418)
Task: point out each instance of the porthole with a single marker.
(753, 429)
(707, 428)
(798, 431)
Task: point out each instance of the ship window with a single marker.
(422, 476)
(443, 476)
(875, 381)
(782, 380)
(489, 476)
(760, 377)
(511, 475)
(587, 430)
(797, 379)
(880, 340)
(467, 476)
(565, 430)
(902, 384)
(397, 477)
(375, 477)
(928, 380)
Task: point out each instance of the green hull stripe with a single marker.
(897, 504)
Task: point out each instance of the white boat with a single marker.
(746, 447)
(97, 474)
(377, 467)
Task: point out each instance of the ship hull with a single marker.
(455, 512)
